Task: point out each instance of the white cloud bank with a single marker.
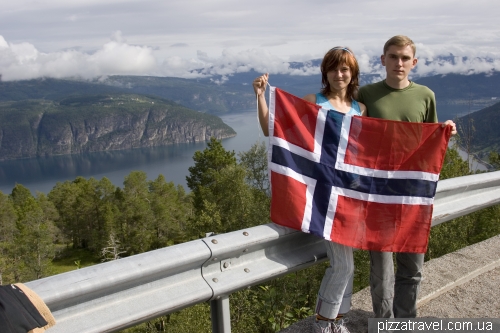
(22, 61)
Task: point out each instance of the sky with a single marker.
(192, 38)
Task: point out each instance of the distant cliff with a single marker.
(479, 131)
(98, 123)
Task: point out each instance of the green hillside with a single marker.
(204, 96)
(483, 129)
(463, 91)
(51, 89)
(200, 95)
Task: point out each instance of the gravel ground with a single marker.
(478, 298)
(462, 284)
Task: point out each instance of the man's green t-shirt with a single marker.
(415, 103)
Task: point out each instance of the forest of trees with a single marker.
(86, 221)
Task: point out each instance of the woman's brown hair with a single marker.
(334, 58)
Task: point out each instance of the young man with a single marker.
(398, 98)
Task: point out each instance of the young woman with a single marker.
(340, 81)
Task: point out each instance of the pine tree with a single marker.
(7, 238)
(137, 219)
(170, 208)
(36, 234)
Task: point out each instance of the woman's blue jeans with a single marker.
(335, 292)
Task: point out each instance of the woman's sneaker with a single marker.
(338, 326)
(323, 326)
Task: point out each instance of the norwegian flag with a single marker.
(363, 182)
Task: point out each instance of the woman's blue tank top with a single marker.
(322, 101)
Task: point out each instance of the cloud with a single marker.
(20, 61)
(72, 18)
(163, 37)
(3, 43)
(236, 62)
(460, 65)
(227, 63)
(179, 45)
(228, 14)
(23, 61)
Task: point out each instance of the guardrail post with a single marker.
(221, 317)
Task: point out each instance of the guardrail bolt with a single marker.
(214, 259)
(226, 264)
(245, 233)
(245, 250)
(214, 241)
(247, 270)
(215, 280)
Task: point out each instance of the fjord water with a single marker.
(41, 174)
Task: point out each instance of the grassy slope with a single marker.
(66, 261)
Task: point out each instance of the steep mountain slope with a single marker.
(100, 122)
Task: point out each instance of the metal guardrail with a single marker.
(463, 195)
(115, 295)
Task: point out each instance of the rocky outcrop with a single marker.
(69, 132)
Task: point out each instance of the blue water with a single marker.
(41, 174)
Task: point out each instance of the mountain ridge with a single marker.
(219, 95)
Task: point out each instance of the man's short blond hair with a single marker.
(400, 40)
